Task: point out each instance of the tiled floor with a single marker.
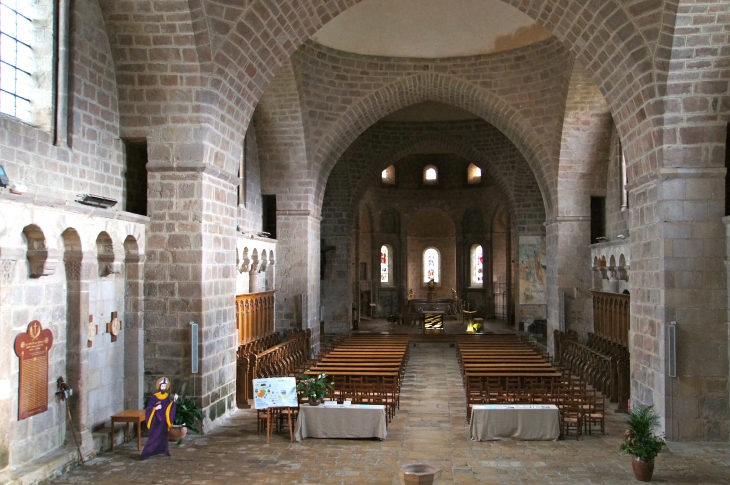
(430, 427)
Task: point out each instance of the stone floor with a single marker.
(430, 427)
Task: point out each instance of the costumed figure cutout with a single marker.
(159, 416)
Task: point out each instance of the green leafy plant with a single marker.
(639, 439)
(314, 387)
(188, 412)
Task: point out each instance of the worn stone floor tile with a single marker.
(430, 427)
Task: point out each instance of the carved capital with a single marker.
(105, 269)
(39, 263)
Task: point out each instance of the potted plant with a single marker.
(393, 318)
(641, 442)
(314, 388)
(188, 412)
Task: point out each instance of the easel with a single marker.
(268, 422)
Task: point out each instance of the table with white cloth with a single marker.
(355, 421)
(514, 421)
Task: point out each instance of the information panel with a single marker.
(32, 348)
(275, 391)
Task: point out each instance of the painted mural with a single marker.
(533, 265)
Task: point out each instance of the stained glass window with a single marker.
(431, 267)
(384, 265)
(477, 266)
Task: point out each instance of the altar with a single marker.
(433, 320)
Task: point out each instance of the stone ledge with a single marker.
(44, 202)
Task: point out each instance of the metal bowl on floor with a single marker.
(419, 474)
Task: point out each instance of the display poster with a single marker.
(275, 391)
(32, 349)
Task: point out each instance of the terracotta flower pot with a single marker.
(643, 470)
(176, 432)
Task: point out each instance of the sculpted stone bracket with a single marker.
(39, 263)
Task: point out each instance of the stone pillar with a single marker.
(133, 331)
(569, 272)
(298, 257)
(270, 275)
(79, 268)
(190, 277)
(677, 275)
(9, 269)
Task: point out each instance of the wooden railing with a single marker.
(602, 363)
(611, 316)
(244, 365)
(254, 315)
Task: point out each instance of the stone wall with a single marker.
(88, 272)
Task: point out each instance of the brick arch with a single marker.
(439, 143)
(431, 87)
(249, 45)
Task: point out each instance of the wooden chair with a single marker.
(596, 414)
(572, 417)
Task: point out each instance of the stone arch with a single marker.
(431, 87)
(37, 252)
(77, 306)
(451, 144)
(610, 38)
(105, 254)
(133, 324)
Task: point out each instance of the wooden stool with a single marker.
(129, 416)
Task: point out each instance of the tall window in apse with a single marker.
(431, 268)
(477, 265)
(384, 264)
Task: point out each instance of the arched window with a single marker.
(431, 265)
(386, 264)
(430, 174)
(473, 174)
(477, 265)
(388, 175)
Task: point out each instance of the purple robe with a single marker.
(158, 422)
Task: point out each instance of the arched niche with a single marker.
(431, 227)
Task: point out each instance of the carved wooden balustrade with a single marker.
(611, 316)
(284, 358)
(254, 315)
(244, 369)
(602, 363)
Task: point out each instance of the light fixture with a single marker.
(96, 201)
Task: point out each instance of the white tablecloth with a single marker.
(356, 421)
(518, 421)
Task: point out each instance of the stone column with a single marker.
(190, 277)
(9, 269)
(569, 272)
(298, 244)
(79, 269)
(134, 331)
(677, 275)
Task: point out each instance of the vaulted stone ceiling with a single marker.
(430, 28)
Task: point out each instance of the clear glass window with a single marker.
(16, 58)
